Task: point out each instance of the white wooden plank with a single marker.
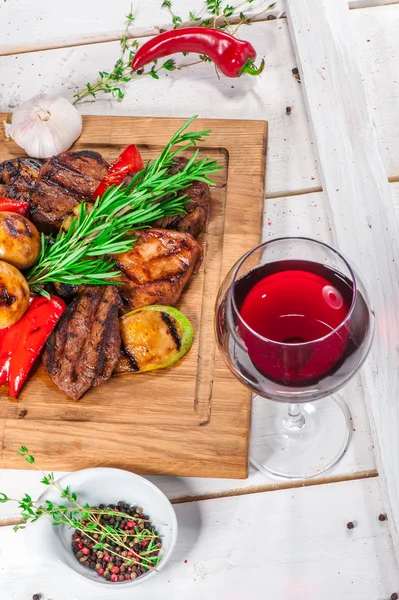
(370, 3)
(361, 207)
(196, 90)
(295, 215)
(37, 26)
(376, 34)
(29, 26)
(395, 197)
(277, 545)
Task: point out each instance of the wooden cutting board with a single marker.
(192, 419)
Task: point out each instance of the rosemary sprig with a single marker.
(84, 519)
(79, 256)
(213, 13)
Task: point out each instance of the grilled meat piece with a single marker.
(197, 209)
(65, 181)
(18, 177)
(84, 348)
(156, 270)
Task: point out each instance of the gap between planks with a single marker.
(114, 36)
(152, 31)
(258, 489)
(274, 487)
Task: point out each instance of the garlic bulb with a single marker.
(45, 125)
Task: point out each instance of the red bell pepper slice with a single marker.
(8, 340)
(16, 206)
(22, 343)
(128, 163)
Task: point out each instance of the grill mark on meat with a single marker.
(18, 177)
(53, 366)
(84, 348)
(65, 181)
(158, 267)
(172, 328)
(106, 340)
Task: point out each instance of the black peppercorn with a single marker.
(382, 517)
(350, 525)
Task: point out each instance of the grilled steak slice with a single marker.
(156, 270)
(65, 181)
(197, 208)
(18, 177)
(84, 348)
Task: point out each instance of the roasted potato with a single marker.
(14, 295)
(67, 222)
(153, 337)
(19, 240)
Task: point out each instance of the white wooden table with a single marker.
(257, 537)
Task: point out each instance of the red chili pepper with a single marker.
(129, 162)
(16, 206)
(21, 344)
(231, 55)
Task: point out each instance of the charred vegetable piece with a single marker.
(128, 163)
(22, 343)
(14, 295)
(34, 328)
(153, 337)
(19, 240)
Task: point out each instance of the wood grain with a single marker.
(192, 419)
(361, 207)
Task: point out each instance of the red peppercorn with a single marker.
(130, 553)
(106, 557)
(130, 569)
(80, 545)
(100, 571)
(131, 524)
(114, 578)
(145, 543)
(115, 570)
(86, 551)
(127, 576)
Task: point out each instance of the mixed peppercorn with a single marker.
(134, 551)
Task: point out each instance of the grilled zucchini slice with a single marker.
(153, 338)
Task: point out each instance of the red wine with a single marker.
(299, 305)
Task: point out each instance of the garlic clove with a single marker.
(45, 125)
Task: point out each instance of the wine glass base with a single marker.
(304, 452)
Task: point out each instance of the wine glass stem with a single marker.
(294, 418)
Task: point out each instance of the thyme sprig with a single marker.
(214, 13)
(84, 519)
(79, 256)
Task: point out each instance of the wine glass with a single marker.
(294, 323)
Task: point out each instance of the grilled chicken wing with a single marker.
(156, 270)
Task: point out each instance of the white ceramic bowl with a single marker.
(107, 486)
